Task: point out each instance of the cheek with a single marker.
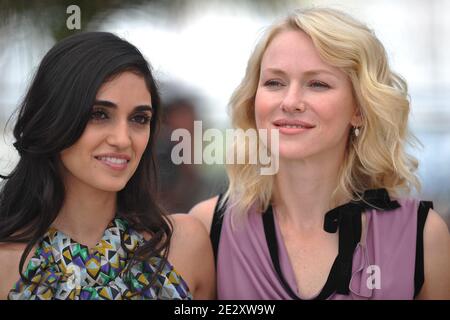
(75, 152)
(263, 108)
(72, 161)
(335, 109)
(329, 114)
(141, 141)
(335, 121)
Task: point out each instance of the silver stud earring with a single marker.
(356, 131)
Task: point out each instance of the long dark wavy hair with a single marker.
(51, 118)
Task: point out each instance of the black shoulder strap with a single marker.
(422, 213)
(216, 226)
(272, 244)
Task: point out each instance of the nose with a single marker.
(119, 135)
(293, 100)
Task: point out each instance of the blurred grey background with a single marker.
(199, 51)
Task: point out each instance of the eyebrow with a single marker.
(109, 104)
(308, 73)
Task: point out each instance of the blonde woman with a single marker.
(336, 221)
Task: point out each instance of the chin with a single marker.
(291, 157)
(292, 153)
(111, 186)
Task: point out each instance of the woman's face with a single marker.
(111, 146)
(309, 101)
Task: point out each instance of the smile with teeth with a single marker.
(291, 126)
(113, 162)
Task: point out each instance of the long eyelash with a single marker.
(272, 83)
(98, 112)
(146, 118)
(319, 84)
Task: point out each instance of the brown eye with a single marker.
(98, 115)
(142, 119)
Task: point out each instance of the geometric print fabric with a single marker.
(66, 270)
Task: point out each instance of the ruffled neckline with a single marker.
(62, 268)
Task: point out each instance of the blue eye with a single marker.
(318, 84)
(273, 83)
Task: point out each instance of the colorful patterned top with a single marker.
(63, 269)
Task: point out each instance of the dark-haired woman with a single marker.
(78, 216)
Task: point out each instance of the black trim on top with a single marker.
(216, 226)
(422, 214)
(272, 243)
(346, 218)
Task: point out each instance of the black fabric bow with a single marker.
(347, 218)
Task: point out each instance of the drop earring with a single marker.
(356, 131)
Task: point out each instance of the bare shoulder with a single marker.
(10, 254)
(436, 231)
(436, 236)
(204, 211)
(191, 255)
(436, 245)
(185, 226)
(189, 237)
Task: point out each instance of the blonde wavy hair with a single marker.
(377, 157)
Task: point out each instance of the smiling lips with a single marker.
(291, 126)
(114, 161)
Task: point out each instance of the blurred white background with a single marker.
(199, 49)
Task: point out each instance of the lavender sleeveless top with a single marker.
(252, 261)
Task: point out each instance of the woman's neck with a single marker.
(303, 192)
(86, 213)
